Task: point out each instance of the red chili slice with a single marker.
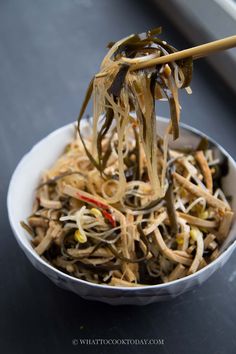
(92, 201)
(109, 217)
(105, 208)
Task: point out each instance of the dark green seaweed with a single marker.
(118, 81)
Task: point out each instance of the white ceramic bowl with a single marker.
(21, 195)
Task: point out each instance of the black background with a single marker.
(48, 52)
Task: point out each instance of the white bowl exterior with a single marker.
(20, 199)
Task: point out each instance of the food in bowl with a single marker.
(120, 207)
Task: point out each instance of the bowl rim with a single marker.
(28, 249)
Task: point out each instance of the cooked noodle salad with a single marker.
(120, 207)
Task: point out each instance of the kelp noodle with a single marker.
(119, 207)
(124, 98)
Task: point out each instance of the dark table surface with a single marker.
(48, 52)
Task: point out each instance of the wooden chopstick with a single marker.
(197, 52)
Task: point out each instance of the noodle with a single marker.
(118, 207)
